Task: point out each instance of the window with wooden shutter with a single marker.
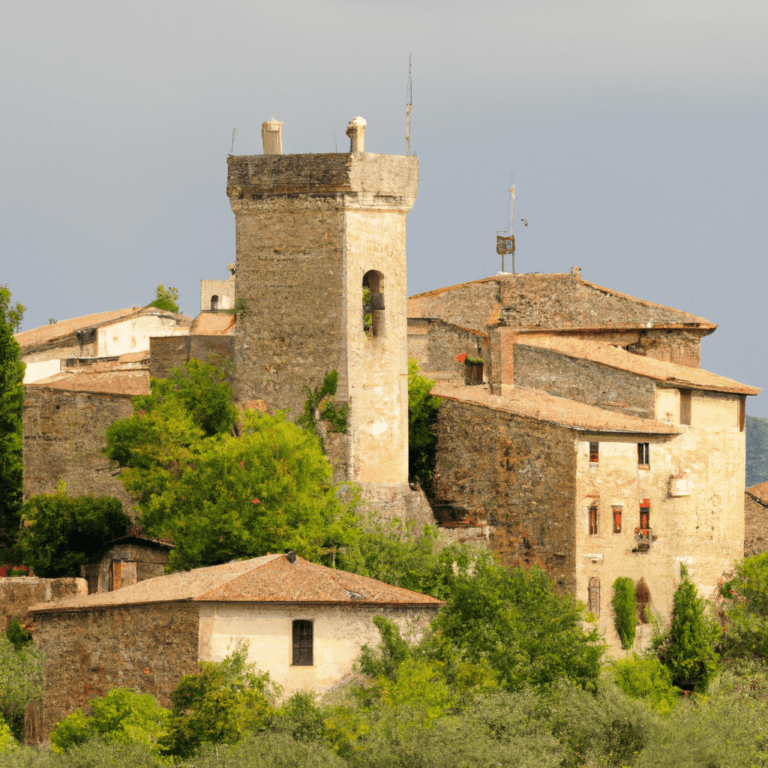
(594, 453)
(593, 521)
(302, 643)
(616, 510)
(594, 596)
(642, 601)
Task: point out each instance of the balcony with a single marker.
(643, 539)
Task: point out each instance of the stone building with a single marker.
(597, 447)
(756, 520)
(101, 337)
(304, 624)
(218, 295)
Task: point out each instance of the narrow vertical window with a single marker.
(373, 303)
(645, 516)
(302, 643)
(593, 521)
(644, 455)
(594, 596)
(685, 406)
(616, 510)
(214, 302)
(594, 453)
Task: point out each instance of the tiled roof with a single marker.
(110, 382)
(539, 405)
(46, 334)
(759, 493)
(268, 579)
(672, 374)
(213, 324)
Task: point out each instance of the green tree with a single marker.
(219, 496)
(11, 427)
(319, 406)
(746, 610)
(166, 298)
(219, 704)
(688, 649)
(21, 682)
(514, 621)
(62, 532)
(122, 716)
(422, 414)
(17, 634)
(646, 679)
(624, 610)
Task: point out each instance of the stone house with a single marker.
(104, 336)
(597, 447)
(304, 624)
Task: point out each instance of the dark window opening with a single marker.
(594, 453)
(644, 454)
(593, 521)
(616, 510)
(373, 303)
(214, 302)
(685, 406)
(642, 601)
(645, 518)
(594, 596)
(302, 643)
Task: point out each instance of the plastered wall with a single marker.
(339, 633)
(695, 486)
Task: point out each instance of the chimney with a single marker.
(356, 133)
(290, 557)
(271, 138)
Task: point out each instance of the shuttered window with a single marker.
(302, 643)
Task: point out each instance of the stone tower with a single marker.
(311, 232)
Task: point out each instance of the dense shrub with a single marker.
(647, 679)
(624, 610)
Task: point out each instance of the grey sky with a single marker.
(636, 132)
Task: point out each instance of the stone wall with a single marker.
(755, 526)
(63, 440)
(171, 351)
(144, 647)
(515, 475)
(19, 593)
(436, 345)
(585, 381)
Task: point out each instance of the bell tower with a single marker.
(320, 285)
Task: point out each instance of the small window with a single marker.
(373, 303)
(594, 596)
(644, 455)
(642, 601)
(302, 643)
(214, 302)
(645, 518)
(616, 510)
(685, 406)
(593, 521)
(594, 453)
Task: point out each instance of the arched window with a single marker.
(373, 303)
(214, 302)
(594, 595)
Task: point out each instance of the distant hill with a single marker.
(757, 450)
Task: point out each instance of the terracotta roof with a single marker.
(85, 379)
(759, 493)
(672, 374)
(268, 579)
(539, 405)
(212, 324)
(45, 334)
(134, 357)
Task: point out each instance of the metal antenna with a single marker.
(408, 110)
(234, 133)
(505, 245)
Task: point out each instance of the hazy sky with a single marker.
(636, 132)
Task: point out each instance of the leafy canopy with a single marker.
(11, 428)
(422, 413)
(166, 298)
(219, 496)
(688, 649)
(122, 716)
(746, 610)
(219, 704)
(62, 532)
(624, 610)
(21, 682)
